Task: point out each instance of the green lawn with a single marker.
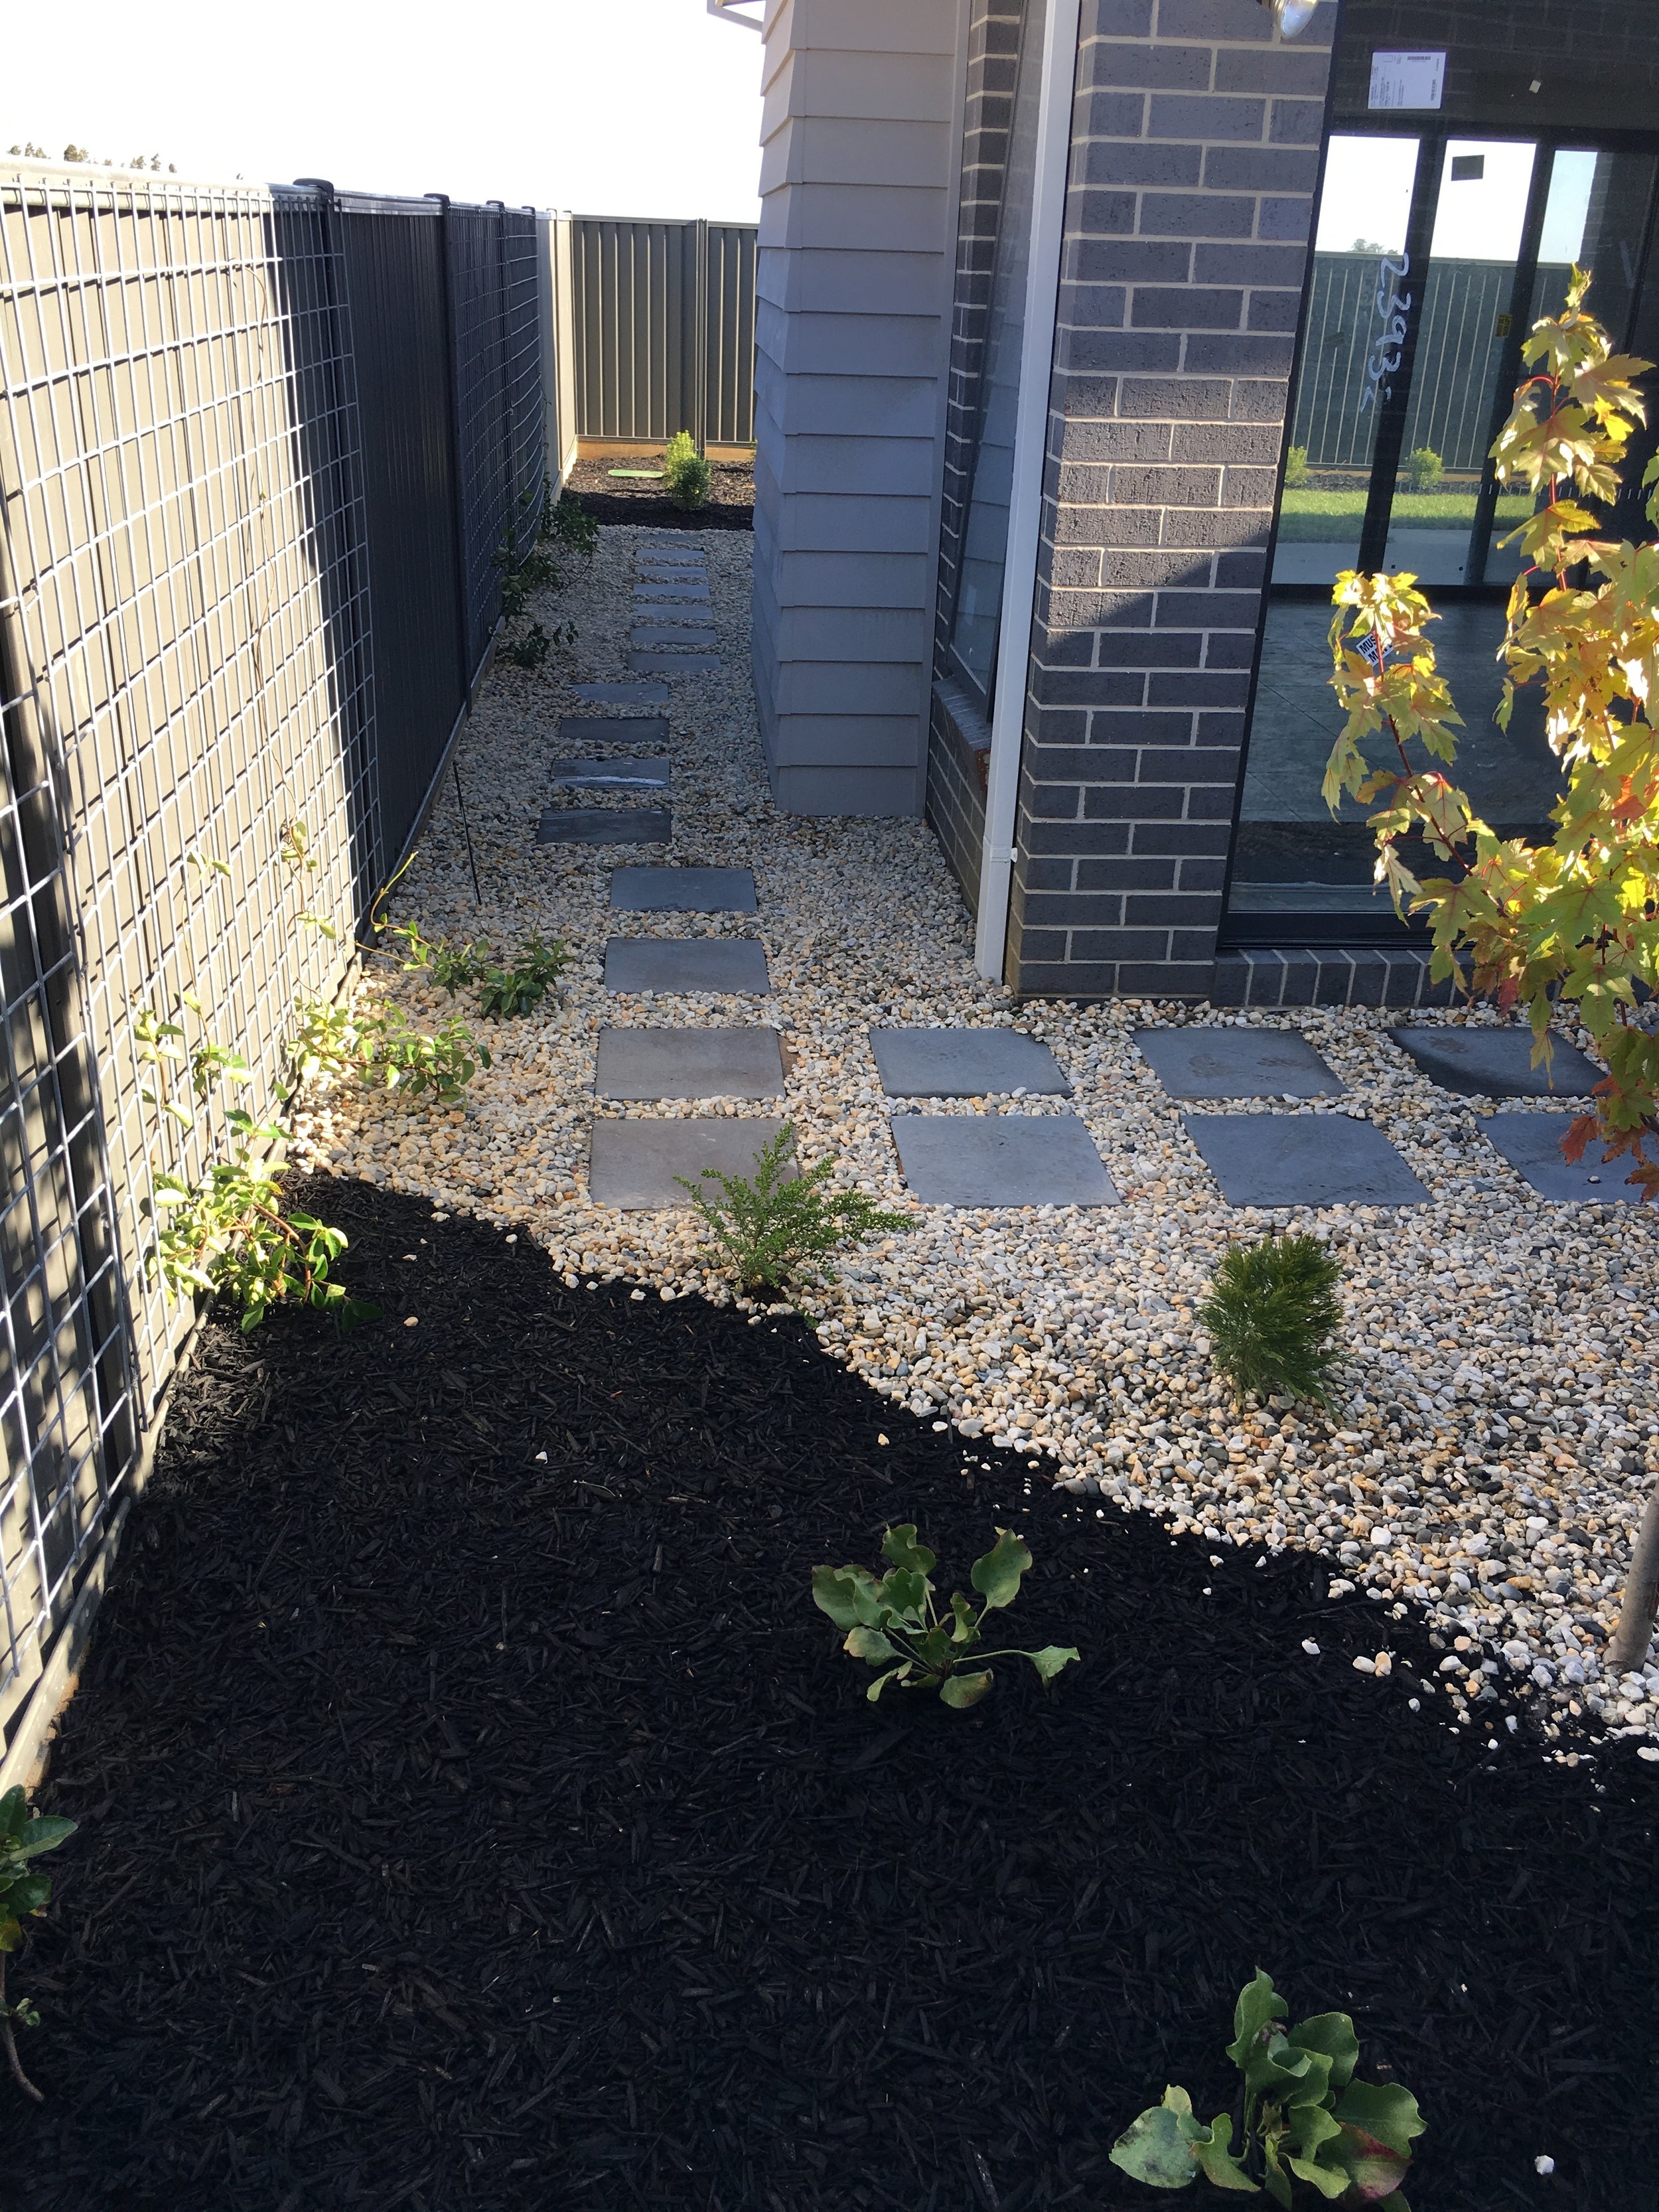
(1335, 515)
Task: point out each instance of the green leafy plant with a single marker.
(1296, 467)
(1423, 468)
(893, 1623)
(416, 1061)
(566, 522)
(1302, 2118)
(1575, 918)
(1272, 1315)
(686, 474)
(23, 1891)
(522, 574)
(777, 1229)
(520, 987)
(530, 650)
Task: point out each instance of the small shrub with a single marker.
(518, 989)
(567, 522)
(686, 474)
(773, 1229)
(1423, 469)
(530, 650)
(1272, 1314)
(893, 1623)
(402, 1058)
(1296, 467)
(23, 1837)
(453, 968)
(1305, 2118)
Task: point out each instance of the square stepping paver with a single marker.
(613, 729)
(964, 1063)
(648, 552)
(674, 664)
(1216, 1063)
(689, 1063)
(1496, 1063)
(736, 964)
(1302, 1159)
(658, 636)
(634, 1164)
(622, 695)
(625, 773)
(1531, 1143)
(672, 572)
(1001, 1159)
(683, 890)
(683, 593)
(604, 825)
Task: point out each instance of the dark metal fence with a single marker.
(258, 452)
(665, 330)
(1459, 342)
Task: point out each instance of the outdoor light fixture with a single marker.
(1291, 16)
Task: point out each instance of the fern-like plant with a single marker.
(777, 1229)
(1272, 1315)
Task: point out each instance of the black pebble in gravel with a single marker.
(463, 1828)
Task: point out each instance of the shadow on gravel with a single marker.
(462, 1828)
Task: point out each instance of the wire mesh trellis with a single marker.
(188, 565)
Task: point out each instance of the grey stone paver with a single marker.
(736, 964)
(622, 695)
(672, 553)
(604, 825)
(683, 890)
(633, 1165)
(689, 1063)
(1302, 1159)
(1481, 1063)
(634, 772)
(687, 594)
(1531, 1143)
(1207, 1063)
(969, 1063)
(613, 730)
(674, 664)
(658, 636)
(671, 571)
(1001, 1159)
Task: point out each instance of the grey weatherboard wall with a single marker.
(859, 139)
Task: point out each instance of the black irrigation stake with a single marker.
(466, 832)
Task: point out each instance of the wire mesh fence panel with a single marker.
(186, 675)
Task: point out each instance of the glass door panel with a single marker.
(1356, 327)
(1466, 321)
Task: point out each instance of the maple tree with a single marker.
(1577, 917)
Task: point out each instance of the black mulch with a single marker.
(730, 505)
(464, 1829)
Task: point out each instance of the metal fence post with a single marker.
(453, 415)
(699, 425)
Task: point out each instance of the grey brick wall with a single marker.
(1195, 151)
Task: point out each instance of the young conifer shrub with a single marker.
(685, 473)
(773, 1229)
(1272, 1316)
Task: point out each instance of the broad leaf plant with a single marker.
(24, 1890)
(1308, 2132)
(893, 1623)
(1577, 918)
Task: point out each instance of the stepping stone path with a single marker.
(1001, 1159)
(689, 1063)
(1302, 1159)
(683, 590)
(965, 1064)
(1531, 1143)
(597, 826)
(634, 1164)
(625, 772)
(675, 664)
(735, 965)
(653, 635)
(1496, 1063)
(604, 729)
(622, 695)
(682, 891)
(1249, 1063)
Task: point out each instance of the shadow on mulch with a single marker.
(730, 503)
(466, 1829)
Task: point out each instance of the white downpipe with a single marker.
(1053, 154)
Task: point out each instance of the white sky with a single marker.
(1367, 191)
(601, 107)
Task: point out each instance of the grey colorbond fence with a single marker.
(257, 452)
(1459, 342)
(664, 316)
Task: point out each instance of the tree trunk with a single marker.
(1629, 1647)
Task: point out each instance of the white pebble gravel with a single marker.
(1498, 1428)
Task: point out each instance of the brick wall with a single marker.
(959, 737)
(1195, 151)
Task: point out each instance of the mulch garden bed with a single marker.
(465, 1827)
(730, 505)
